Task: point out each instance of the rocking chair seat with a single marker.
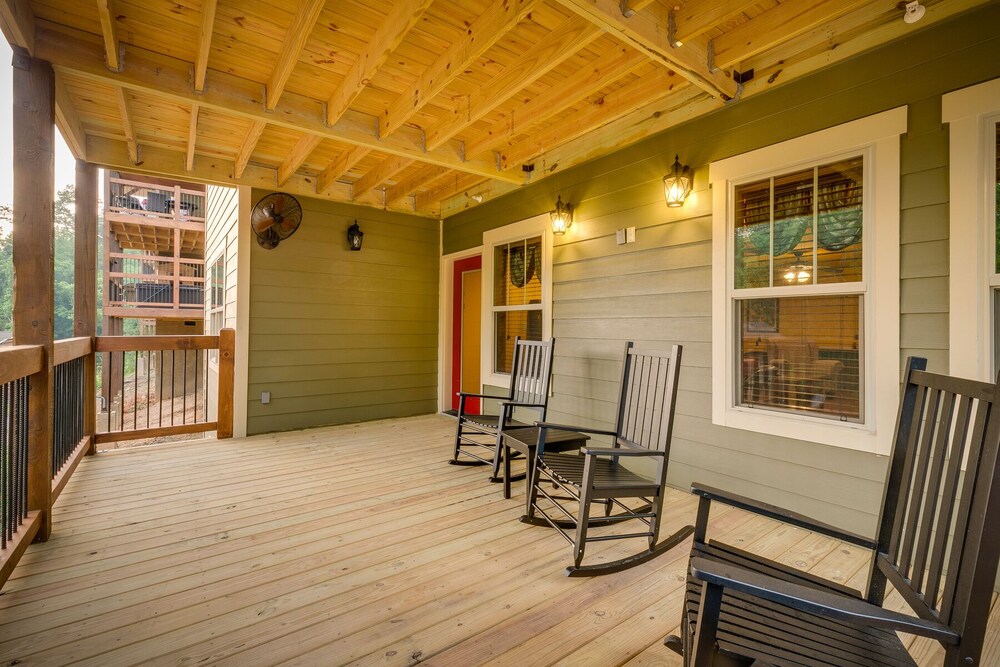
(608, 476)
(490, 423)
(747, 623)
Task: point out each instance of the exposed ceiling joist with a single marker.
(561, 44)
(491, 25)
(389, 35)
(610, 66)
(205, 31)
(109, 30)
(69, 122)
(291, 47)
(165, 77)
(694, 18)
(298, 155)
(407, 186)
(247, 147)
(192, 138)
(125, 111)
(427, 202)
(647, 31)
(18, 23)
(340, 166)
(379, 174)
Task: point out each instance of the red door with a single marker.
(466, 315)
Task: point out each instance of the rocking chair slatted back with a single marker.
(942, 503)
(530, 372)
(645, 405)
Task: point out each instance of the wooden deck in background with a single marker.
(345, 545)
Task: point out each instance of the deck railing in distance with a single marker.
(158, 386)
(149, 200)
(18, 524)
(70, 441)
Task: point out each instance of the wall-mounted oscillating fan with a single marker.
(274, 218)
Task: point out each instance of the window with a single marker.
(517, 297)
(806, 285)
(973, 117)
(216, 301)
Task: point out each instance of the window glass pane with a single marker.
(517, 273)
(802, 354)
(793, 229)
(752, 240)
(839, 221)
(509, 325)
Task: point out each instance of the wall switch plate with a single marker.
(630, 235)
(265, 397)
(620, 237)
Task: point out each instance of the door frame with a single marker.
(446, 322)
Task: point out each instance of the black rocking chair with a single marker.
(479, 436)
(643, 428)
(937, 545)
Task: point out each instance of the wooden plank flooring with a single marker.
(346, 545)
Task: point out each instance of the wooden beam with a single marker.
(608, 67)
(299, 154)
(69, 122)
(192, 137)
(491, 25)
(599, 112)
(109, 30)
(694, 18)
(33, 250)
(167, 78)
(648, 33)
(227, 358)
(85, 251)
(776, 26)
(417, 180)
(385, 170)
(204, 43)
(340, 166)
(449, 188)
(291, 47)
(127, 128)
(400, 20)
(247, 147)
(17, 22)
(562, 43)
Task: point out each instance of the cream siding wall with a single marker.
(339, 336)
(658, 290)
(221, 218)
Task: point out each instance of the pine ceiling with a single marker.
(415, 105)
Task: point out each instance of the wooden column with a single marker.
(34, 248)
(227, 359)
(85, 287)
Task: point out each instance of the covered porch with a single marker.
(349, 544)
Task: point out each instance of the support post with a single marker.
(85, 288)
(34, 249)
(227, 359)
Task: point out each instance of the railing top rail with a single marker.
(19, 361)
(132, 343)
(154, 186)
(155, 258)
(69, 349)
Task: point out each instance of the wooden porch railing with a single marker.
(27, 464)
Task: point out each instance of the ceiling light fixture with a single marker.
(914, 12)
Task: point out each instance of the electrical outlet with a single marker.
(620, 237)
(265, 397)
(630, 235)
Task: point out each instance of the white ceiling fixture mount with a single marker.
(914, 12)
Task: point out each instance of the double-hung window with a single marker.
(216, 301)
(806, 285)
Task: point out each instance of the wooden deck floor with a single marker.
(344, 545)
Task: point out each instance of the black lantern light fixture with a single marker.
(355, 236)
(562, 217)
(677, 184)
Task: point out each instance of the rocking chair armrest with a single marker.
(580, 429)
(617, 451)
(468, 395)
(781, 514)
(517, 404)
(816, 601)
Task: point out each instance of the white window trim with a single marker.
(446, 288)
(878, 137)
(536, 226)
(969, 112)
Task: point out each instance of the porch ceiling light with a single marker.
(562, 217)
(677, 184)
(355, 236)
(914, 12)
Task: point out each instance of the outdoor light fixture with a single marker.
(562, 217)
(355, 236)
(677, 184)
(914, 12)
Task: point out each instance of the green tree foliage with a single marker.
(64, 221)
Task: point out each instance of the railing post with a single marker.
(85, 289)
(227, 359)
(34, 243)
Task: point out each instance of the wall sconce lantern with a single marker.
(355, 236)
(562, 217)
(677, 184)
